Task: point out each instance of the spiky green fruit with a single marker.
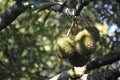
(64, 46)
(85, 43)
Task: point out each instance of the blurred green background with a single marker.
(29, 39)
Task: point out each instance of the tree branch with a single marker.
(94, 63)
(81, 4)
(103, 60)
(71, 11)
(11, 14)
(107, 75)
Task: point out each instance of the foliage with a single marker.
(29, 39)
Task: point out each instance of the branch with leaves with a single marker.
(93, 64)
(20, 6)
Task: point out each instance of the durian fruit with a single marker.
(86, 40)
(86, 44)
(85, 47)
(64, 46)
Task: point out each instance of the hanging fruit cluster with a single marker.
(77, 50)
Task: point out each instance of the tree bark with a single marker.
(103, 60)
(11, 14)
